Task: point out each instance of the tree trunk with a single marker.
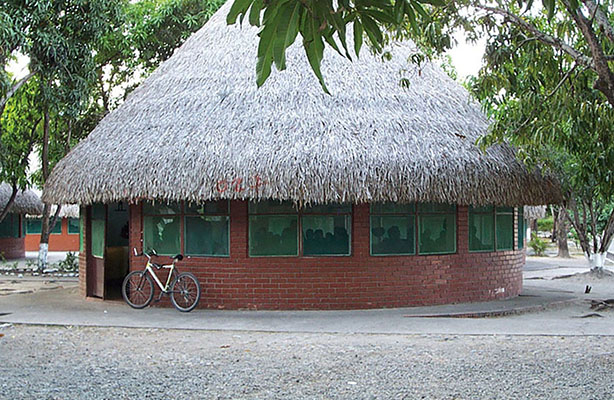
(44, 243)
(561, 235)
(555, 221)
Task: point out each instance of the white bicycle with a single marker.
(183, 288)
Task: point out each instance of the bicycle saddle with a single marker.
(178, 257)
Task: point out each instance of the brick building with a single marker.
(12, 233)
(286, 197)
(65, 233)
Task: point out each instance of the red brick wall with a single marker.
(57, 242)
(358, 281)
(12, 248)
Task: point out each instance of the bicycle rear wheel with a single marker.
(138, 289)
(185, 292)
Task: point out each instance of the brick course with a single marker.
(354, 282)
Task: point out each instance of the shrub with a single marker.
(545, 224)
(539, 246)
(70, 263)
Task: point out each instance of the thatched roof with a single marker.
(26, 202)
(67, 211)
(199, 123)
(535, 212)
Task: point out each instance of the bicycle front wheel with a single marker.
(138, 289)
(185, 292)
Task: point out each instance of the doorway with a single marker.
(108, 245)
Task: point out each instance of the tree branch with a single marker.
(605, 80)
(14, 89)
(539, 35)
(600, 18)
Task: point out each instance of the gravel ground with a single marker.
(114, 363)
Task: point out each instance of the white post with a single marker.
(42, 256)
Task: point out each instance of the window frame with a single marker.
(492, 214)
(182, 214)
(300, 213)
(522, 227)
(68, 232)
(453, 212)
(495, 212)
(185, 214)
(504, 211)
(379, 214)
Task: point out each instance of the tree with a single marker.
(85, 57)
(19, 132)
(548, 81)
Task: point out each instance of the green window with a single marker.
(326, 230)
(393, 229)
(34, 226)
(162, 228)
(436, 228)
(82, 229)
(505, 228)
(273, 229)
(9, 227)
(522, 226)
(57, 228)
(73, 226)
(481, 229)
(207, 229)
(98, 229)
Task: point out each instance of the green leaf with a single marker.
(358, 31)
(265, 54)
(314, 48)
(287, 20)
(255, 11)
(373, 31)
(239, 7)
(549, 6)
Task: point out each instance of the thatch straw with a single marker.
(26, 202)
(534, 212)
(67, 211)
(199, 122)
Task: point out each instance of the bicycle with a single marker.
(183, 289)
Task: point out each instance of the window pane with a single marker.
(392, 235)
(392, 208)
(57, 228)
(98, 237)
(206, 236)
(484, 209)
(271, 207)
(328, 209)
(436, 208)
(73, 226)
(82, 212)
(437, 234)
(505, 232)
(209, 207)
(274, 235)
(161, 234)
(9, 227)
(161, 208)
(326, 235)
(481, 232)
(34, 226)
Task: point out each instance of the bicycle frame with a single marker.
(150, 269)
